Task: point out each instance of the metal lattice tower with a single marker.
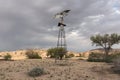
(61, 35)
(61, 43)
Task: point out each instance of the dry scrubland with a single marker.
(64, 70)
(21, 54)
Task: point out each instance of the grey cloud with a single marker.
(30, 23)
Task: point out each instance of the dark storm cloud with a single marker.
(30, 23)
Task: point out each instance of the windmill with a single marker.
(61, 42)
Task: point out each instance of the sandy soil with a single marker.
(62, 70)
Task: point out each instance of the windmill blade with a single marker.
(62, 14)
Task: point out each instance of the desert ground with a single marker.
(71, 69)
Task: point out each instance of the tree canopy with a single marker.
(106, 40)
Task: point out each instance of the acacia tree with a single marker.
(106, 41)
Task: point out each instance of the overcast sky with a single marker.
(30, 23)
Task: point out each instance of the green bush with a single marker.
(116, 55)
(56, 52)
(33, 55)
(69, 56)
(35, 72)
(96, 57)
(116, 64)
(51, 52)
(111, 57)
(80, 55)
(7, 57)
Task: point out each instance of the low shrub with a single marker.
(80, 55)
(69, 56)
(111, 57)
(35, 72)
(99, 57)
(57, 52)
(116, 63)
(33, 55)
(116, 55)
(7, 57)
(96, 57)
